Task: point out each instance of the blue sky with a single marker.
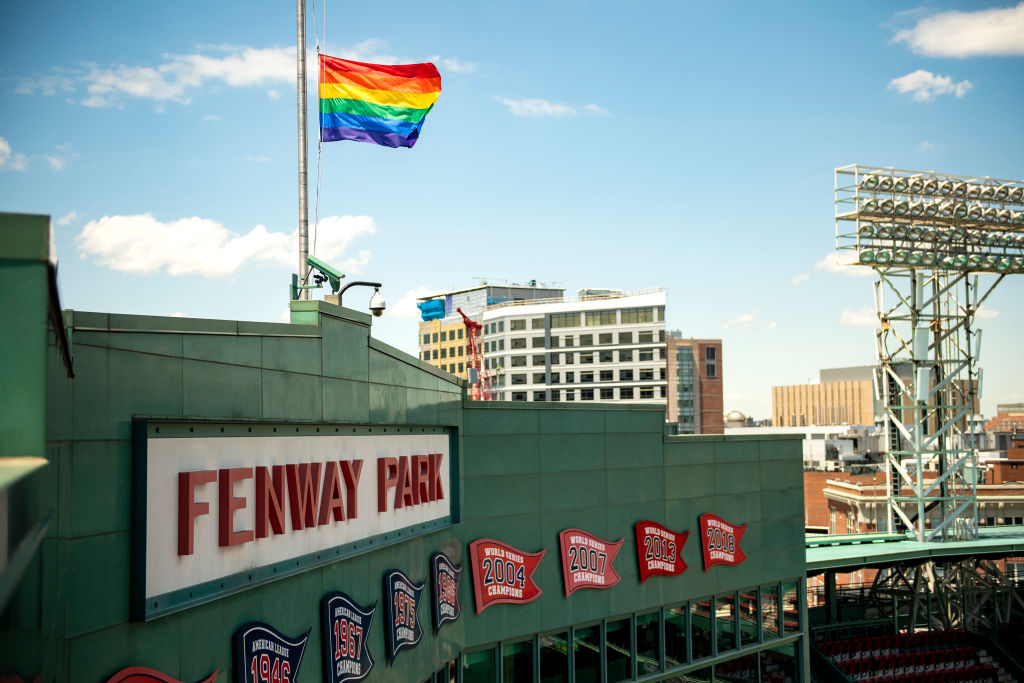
(689, 146)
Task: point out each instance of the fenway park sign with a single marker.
(215, 514)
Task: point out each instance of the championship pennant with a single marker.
(402, 598)
(720, 541)
(264, 655)
(502, 573)
(587, 561)
(446, 578)
(141, 674)
(346, 627)
(659, 550)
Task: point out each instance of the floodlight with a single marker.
(946, 188)
(867, 256)
(915, 232)
(866, 230)
(974, 260)
(1003, 216)
(928, 258)
(973, 238)
(885, 183)
(944, 236)
(946, 209)
(974, 212)
(885, 206)
(884, 232)
(870, 206)
(988, 262)
(926, 233)
(960, 190)
(931, 209)
(902, 208)
(1018, 218)
(1002, 192)
(1018, 263)
(914, 258)
(987, 192)
(1003, 265)
(883, 257)
(957, 234)
(917, 209)
(931, 186)
(960, 211)
(990, 215)
(899, 232)
(916, 184)
(901, 184)
(1016, 194)
(870, 182)
(899, 256)
(959, 261)
(974, 191)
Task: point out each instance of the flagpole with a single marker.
(303, 147)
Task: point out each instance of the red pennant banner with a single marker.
(659, 550)
(720, 541)
(502, 573)
(587, 561)
(141, 674)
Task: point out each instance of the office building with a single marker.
(843, 396)
(695, 384)
(605, 346)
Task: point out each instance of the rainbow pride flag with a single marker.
(378, 103)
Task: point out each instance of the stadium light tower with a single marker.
(939, 245)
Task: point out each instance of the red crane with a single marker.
(479, 377)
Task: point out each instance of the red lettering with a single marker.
(387, 477)
(189, 509)
(269, 500)
(421, 478)
(403, 490)
(436, 489)
(229, 504)
(350, 470)
(331, 502)
(302, 493)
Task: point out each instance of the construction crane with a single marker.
(479, 377)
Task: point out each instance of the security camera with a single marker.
(332, 274)
(377, 304)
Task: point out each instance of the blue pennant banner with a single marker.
(402, 600)
(265, 655)
(346, 630)
(446, 578)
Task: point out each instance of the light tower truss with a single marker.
(939, 245)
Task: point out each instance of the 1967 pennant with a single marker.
(346, 626)
(720, 541)
(502, 573)
(659, 550)
(587, 561)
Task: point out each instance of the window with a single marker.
(831, 520)
(565, 320)
(851, 527)
(555, 377)
(517, 361)
(518, 395)
(626, 355)
(607, 394)
(517, 661)
(593, 318)
(539, 396)
(570, 396)
(537, 324)
(710, 353)
(661, 373)
(501, 326)
(625, 375)
(675, 636)
(434, 352)
(554, 358)
(710, 361)
(517, 379)
(568, 340)
(554, 395)
(660, 310)
(770, 611)
(517, 342)
(645, 337)
(587, 651)
(618, 659)
(460, 349)
(586, 377)
(587, 357)
(537, 342)
(607, 376)
(426, 339)
(625, 392)
(460, 333)
(516, 325)
(605, 338)
(538, 359)
(700, 630)
(607, 356)
(725, 622)
(586, 340)
(444, 353)
(444, 336)
(478, 666)
(790, 608)
(625, 337)
(538, 378)
(426, 355)
(460, 367)
(586, 394)
(646, 354)
(748, 617)
(568, 357)
(553, 343)
(637, 315)
(646, 392)
(435, 337)
(646, 374)
(570, 377)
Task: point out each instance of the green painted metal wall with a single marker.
(526, 473)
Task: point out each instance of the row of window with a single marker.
(446, 335)
(626, 316)
(603, 338)
(445, 353)
(585, 357)
(643, 375)
(697, 635)
(451, 367)
(601, 394)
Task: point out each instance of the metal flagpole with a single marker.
(303, 161)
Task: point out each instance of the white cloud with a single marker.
(273, 94)
(50, 84)
(68, 218)
(56, 163)
(534, 108)
(454, 65)
(843, 263)
(925, 85)
(925, 146)
(864, 317)
(743, 320)
(968, 34)
(772, 325)
(986, 314)
(800, 279)
(405, 307)
(142, 244)
(9, 160)
(594, 110)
